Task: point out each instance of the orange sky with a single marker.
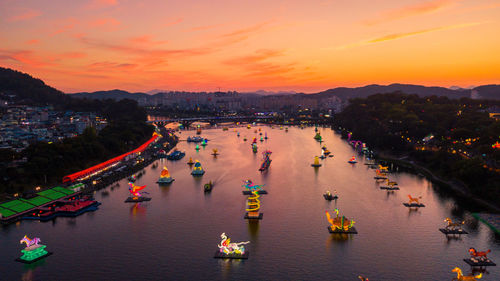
(249, 45)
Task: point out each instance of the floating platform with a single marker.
(351, 230)
(413, 205)
(389, 187)
(34, 260)
(487, 262)
(329, 198)
(316, 165)
(453, 231)
(248, 192)
(380, 178)
(140, 199)
(219, 255)
(253, 218)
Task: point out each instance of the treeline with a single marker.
(462, 131)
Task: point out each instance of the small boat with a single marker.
(165, 176)
(197, 169)
(329, 196)
(208, 186)
(194, 139)
(316, 162)
(190, 161)
(176, 155)
(353, 160)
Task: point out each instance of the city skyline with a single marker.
(251, 45)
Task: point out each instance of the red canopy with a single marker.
(98, 167)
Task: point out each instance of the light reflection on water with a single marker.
(175, 235)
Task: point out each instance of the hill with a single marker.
(21, 87)
(112, 94)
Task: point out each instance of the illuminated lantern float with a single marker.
(190, 161)
(197, 169)
(414, 202)
(352, 160)
(136, 196)
(453, 227)
(478, 258)
(253, 202)
(379, 175)
(254, 147)
(204, 142)
(318, 136)
(165, 177)
(215, 152)
(208, 186)
(33, 251)
(391, 185)
(340, 224)
(316, 163)
(266, 162)
(462, 277)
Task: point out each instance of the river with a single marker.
(175, 235)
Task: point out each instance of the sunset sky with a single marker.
(241, 45)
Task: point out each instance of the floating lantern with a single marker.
(33, 250)
(197, 169)
(231, 250)
(340, 224)
(414, 202)
(135, 195)
(316, 162)
(165, 177)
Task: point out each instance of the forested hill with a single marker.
(23, 88)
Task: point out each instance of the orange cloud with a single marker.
(26, 15)
(97, 4)
(25, 57)
(32, 42)
(108, 23)
(255, 64)
(145, 39)
(173, 22)
(396, 36)
(409, 11)
(65, 25)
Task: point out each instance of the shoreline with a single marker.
(460, 188)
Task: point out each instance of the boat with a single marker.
(353, 160)
(316, 162)
(208, 186)
(329, 196)
(176, 155)
(165, 176)
(195, 139)
(266, 162)
(197, 169)
(190, 161)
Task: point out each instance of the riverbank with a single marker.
(454, 185)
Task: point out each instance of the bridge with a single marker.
(186, 122)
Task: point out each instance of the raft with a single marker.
(220, 255)
(351, 230)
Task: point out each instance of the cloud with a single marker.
(146, 40)
(32, 41)
(173, 22)
(106, 23)
(409, 11)
(25, 57)
(256, 65)
(395, 36)
(98, 4)
(106, 65)
(64, 25)
(26, 15)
